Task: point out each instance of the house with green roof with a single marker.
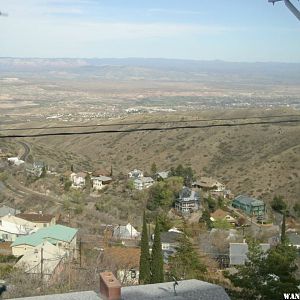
(61, 236)
(249, 205)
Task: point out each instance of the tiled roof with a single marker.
(34, 217)
(51, 234)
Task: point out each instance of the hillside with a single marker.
(260, 160)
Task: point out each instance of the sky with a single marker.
(230, 30)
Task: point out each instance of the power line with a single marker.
(147, 123)
(149, 129)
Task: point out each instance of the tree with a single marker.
(185, 172)
(212, 204)
(157, 263)
(267, 275)
(153, 169)
(144, 277)
(206, 219)
(278, 204)
(44, 172)
(185, 264)
(297, 209)
(221, 224)
(283, 236)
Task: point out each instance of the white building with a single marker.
(143, 183)
(44, 260)
(12, 227)
(136, 174)
(15, 161)
(99, 182)
(78, 179)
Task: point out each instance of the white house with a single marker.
(143, 183)
(12, 227)
(15, 161)
(99, 182)
(78, 179)
(125, 232)
(44, 260)
(136, 174)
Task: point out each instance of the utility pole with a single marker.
(42, 262)
(80, 254)
(69, 257)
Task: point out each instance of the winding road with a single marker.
(26, 147)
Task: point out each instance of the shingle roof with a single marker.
(52, 234)
(186, 290)
(34, 217)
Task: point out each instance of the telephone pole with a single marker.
(42, 262)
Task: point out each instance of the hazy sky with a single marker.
(234, 30)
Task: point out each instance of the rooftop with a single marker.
(51, 234)
(294, 238)
(170, 237)
(36, 217)
(88, 295)
(186, 290)
(246, 200)
(5, 210)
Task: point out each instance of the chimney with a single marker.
(110, 287)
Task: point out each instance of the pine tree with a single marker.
(157, 263)
(144, 277)
(267, 275)
(186, 264)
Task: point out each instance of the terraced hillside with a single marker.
(261, 160)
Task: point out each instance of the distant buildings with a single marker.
(188, 201)
(135, 174)
(209, 184)
(99, 182)
(78, 180)
(36, 169)
(15, 161)
(161, 175)
(143, 183)
(249, 205)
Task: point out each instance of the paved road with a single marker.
(26, 151)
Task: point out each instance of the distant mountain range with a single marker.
(152, 69)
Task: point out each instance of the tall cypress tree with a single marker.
(157, 263)
(283, 237)
(144, 277)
